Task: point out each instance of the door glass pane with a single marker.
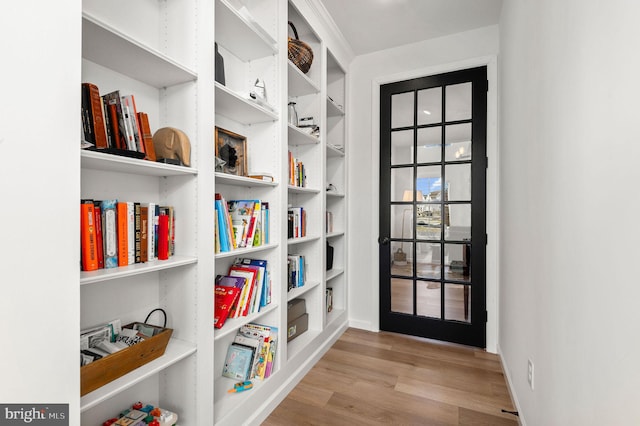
(402, 221)
(402, 110)
(457, 302)
(428, 260)
(402, 147)
(457, 258)
(429, 222)
(458, 142)
(459, 228)
(458, 102)
(428, 299)
(458, 177)
(402, 184)
(402, 295)
(402, 258)
(429, 145)
(429, 182)
(430, 106)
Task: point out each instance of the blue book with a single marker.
(224, 241)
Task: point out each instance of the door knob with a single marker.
(384, 241)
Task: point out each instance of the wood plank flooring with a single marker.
(384, 378)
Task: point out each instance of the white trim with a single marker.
(492, 286)
(363, 325)
(510, 388)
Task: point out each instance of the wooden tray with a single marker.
(109, 368)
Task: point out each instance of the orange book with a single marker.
(88, 237)
(123, 233)
(147, 136)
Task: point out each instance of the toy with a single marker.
(142, 415)
(241, 387)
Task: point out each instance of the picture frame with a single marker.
(231, 152)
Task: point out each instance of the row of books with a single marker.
(113, 121)
(329, 299)
(252, 353)
(297, 172)
(246, 289)
(119, 233)
(296, 222)
(296, 271)
(240, 223)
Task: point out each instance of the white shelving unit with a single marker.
(163, 53)
(164, 67)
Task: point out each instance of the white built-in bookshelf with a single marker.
(163, 53)
(156, 52)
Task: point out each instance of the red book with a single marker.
(225, 298)
(88, 237)
(163, 237)
(123, 233)
(99, 244)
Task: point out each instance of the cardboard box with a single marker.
(297, 327)
(295, 309)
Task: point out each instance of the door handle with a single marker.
(384, 241)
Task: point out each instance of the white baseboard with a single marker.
(507, 374)
(362, 325)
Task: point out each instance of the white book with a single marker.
(151, 227)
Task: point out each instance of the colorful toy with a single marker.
(241, 387)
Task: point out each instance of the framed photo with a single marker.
(231, 152)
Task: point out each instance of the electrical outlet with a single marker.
(530, 373)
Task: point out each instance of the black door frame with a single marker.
(475, 332)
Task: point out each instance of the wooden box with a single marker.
(109, 368)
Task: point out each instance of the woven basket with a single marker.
(300, 53)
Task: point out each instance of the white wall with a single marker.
(367, 72)
(39, 195)
(569, 144)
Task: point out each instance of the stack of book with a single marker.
(246, 289)
(296, 271)
(297, 172)
(240, 223)
(296, 222)
(119, 233)
(112, 123)
(252, 353)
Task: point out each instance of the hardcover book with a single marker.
(238, 363)
(88, 237)
(97, 119)
(225, 298)
(110, 233)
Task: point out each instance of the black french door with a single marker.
(433, 206)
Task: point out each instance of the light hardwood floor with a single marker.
(385, 378)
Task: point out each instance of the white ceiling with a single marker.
(371, 25)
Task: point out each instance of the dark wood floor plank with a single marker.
(386, 378)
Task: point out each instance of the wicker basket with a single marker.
(300, 53)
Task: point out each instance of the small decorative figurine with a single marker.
(172, 146)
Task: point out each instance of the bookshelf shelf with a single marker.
(176, 350)
(115, 163)
(245, 251)
(227, 179)
(299, 83)
(335, 234)
(332, 194)
(102, 42)
(333, 109)
(334, 152)
(302, 190)
(232, 325)
(333, 273)
(336, 315)
(235, 107)
(300, 343)
(298, 137)
(299, 291)
(138, 268)
(301, 240)
(240, 33)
